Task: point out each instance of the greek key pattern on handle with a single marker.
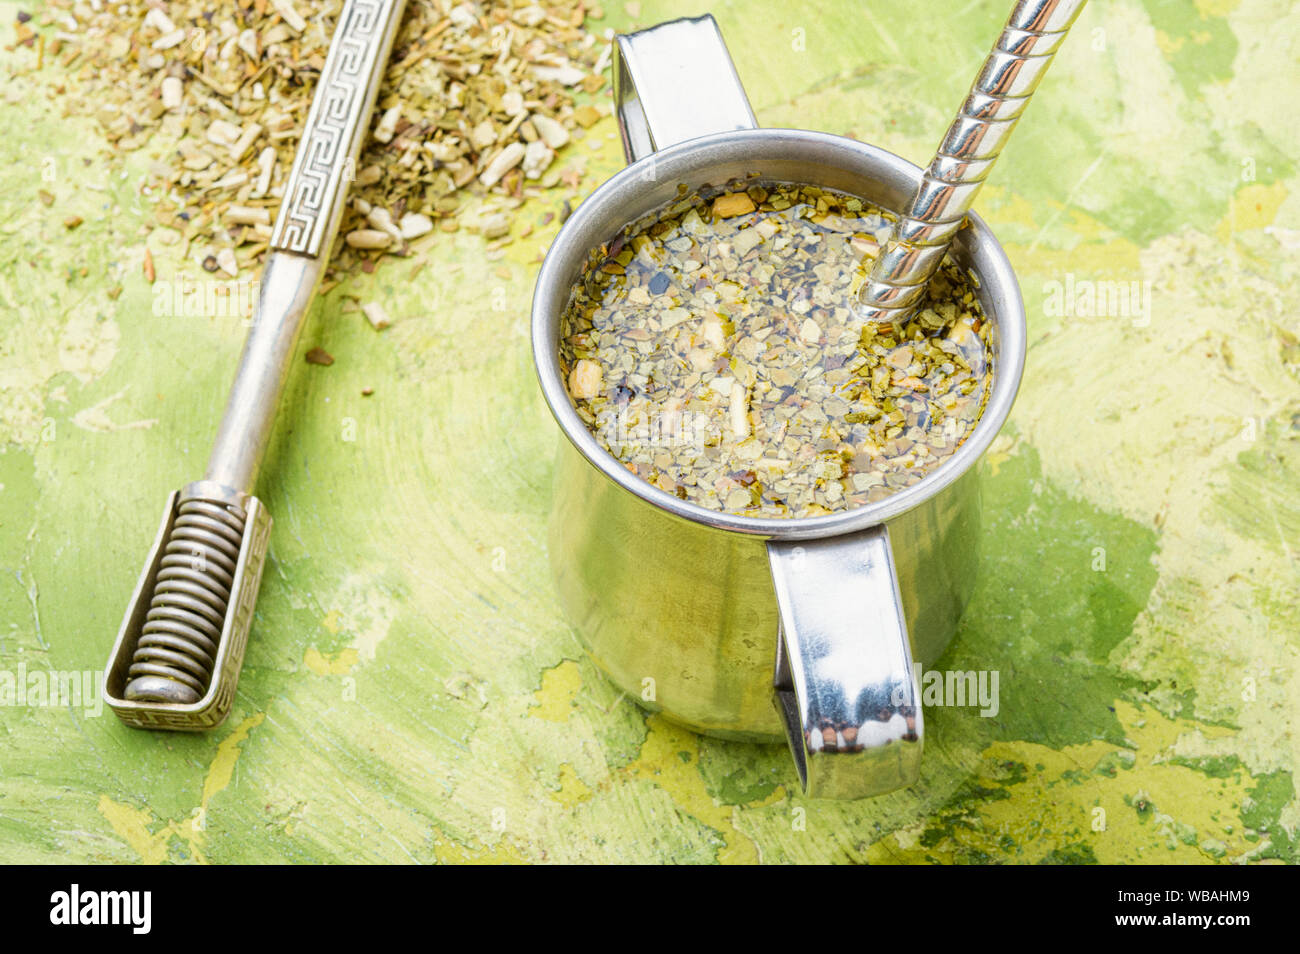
(336, 125)
(980, 131)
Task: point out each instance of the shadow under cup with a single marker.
(677, 602)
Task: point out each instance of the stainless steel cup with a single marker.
(685, 608)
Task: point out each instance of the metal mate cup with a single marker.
(744, 627)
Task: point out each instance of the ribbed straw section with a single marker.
(973, 143)
(177, 650)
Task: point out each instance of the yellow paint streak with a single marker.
(1055, 806)
(1253, 207)
(573, 790)
(502, 853)
(331, 622)
(1169, 45)
(1087, 227)
(223, 766)
(1001, 206)
(335, 664)
(133, 824)
(1119, 259)
(670, 759)
(1210, 9)
(555, 698)
(779, 794)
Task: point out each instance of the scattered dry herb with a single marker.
(476, 99)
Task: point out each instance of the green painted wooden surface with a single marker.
(411, 691)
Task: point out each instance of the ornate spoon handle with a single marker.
(178, 653)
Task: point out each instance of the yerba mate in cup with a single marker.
(709, 617)
(714, 348)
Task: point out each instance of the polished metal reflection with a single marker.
(682, 605)
(652, 70)
(976, 137)
(844, 678)
(176, 660)
(287, 288)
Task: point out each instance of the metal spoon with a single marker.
(179, 650)
(997, 99)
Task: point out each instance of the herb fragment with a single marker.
(711, 349)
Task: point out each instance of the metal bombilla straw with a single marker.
(918, 242)
(181, 645)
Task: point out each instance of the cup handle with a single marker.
(675, 82)
(844, 682)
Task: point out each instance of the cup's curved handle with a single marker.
(844, 681)
(675, 82)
